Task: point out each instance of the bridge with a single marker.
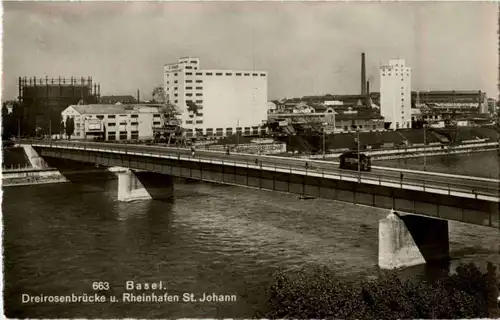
(424, 201)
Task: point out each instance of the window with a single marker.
(111, 116)
(346, 128)
(123, 123)
(247, 74)
(374, 127)
(156, 115)
(175, 74)
(134, 135)
(189, 81)
(199, 88)
(199, 101)
(134, 116)
(189, 73)
(175, 94)
(189, 67)
(262, 74)
(111, 124)
(134, 123)
(229, 74)
(238, 74)
(199, 74)
(111, 136)
(156, 123)
(199, 94)
(189, 94)
(218, 74)
(123, 135)
(176, 101)
(209, 73)
(200, 114)
(175, 88)
(189, 121)
(255, 74)
(199, 81)
(189, 88)
(175, 81)
(100, 117)
(199, 122)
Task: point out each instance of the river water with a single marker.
(60, 238)
(478, 164)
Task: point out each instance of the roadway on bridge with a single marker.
(456, 182)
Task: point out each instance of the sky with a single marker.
(307, 48)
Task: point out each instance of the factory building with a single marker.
(395, 94)
(216, 102)
(43, 99)
(114, 122)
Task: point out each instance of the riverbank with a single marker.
(416, 152)
(31, 176)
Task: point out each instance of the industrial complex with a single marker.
(199, 105)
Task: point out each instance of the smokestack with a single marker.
(363, 75)
(368, 104)
(138, 96)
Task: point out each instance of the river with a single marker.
(478, 164)
(60, 238)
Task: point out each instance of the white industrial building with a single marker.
(113, 122)
(395, 94)
(228, 101)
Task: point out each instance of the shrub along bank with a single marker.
(318, 293)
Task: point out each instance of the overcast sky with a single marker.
(307, 48)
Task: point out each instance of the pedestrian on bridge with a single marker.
(401, 176)
(307, 165)
(256, 161)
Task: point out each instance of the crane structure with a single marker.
(172, 124)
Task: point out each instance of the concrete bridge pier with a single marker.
(34, 158)
(410, 240)
(142, 185)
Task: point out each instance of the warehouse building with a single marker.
(114, 122)
(216, 102)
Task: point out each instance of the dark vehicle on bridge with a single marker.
(349, 160)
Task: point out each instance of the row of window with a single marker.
(113, 116)
(221, 74)
(112, 124)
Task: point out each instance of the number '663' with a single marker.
(99, 285)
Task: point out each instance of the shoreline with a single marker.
(20, 184)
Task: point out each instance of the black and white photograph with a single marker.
(250, 159)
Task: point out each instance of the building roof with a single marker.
(112, 109)
(118, 98)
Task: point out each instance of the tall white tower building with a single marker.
(228, 101)
(395, 94)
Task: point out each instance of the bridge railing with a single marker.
(427, 184)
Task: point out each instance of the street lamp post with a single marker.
(359, 156)
(425, 147)
(237, 132)
(324, 129)
(18, 129)
(50, 129)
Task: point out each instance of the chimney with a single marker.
(138, 96)
(363, 75)
(368, 104)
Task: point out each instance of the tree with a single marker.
(192, 109)
(70, 126)
(63, 128)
